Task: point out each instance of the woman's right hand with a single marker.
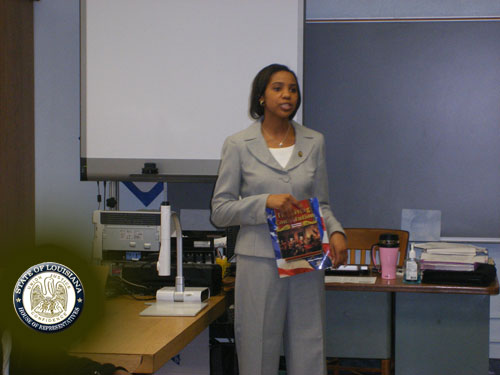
(285, 203)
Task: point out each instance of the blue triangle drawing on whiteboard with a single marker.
(146, 197)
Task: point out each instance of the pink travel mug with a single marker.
(388, 247)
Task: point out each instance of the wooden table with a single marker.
(435, 329)
(143, 344)
(398, 285)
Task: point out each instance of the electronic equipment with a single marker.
(348, 270)
(130, 242)
(130, 232)
(129, 236)
(178, 300)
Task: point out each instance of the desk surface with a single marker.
(398, 285)
(143, 344)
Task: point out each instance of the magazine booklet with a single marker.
(300, 242)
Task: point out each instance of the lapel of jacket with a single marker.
(258, 147)
(303, 146)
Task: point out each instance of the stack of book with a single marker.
(445, 256)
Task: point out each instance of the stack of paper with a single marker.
(451, 256)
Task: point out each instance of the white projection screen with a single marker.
(166, 81)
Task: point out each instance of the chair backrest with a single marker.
(361, 240)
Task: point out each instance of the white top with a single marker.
(282, 154)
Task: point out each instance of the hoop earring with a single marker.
(261, 102)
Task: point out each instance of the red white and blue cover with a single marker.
(300, 242)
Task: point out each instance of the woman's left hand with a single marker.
(338, 247)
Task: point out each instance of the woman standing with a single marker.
(274, 163)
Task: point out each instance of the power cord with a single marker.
(99, 197)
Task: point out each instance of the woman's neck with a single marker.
(275, 126)
(278, 134)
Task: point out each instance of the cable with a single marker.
(99, 197)
(104, 189)
(142, 299)
(133, 284)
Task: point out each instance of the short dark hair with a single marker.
(259, 85)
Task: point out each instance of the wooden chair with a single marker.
(359, 243)
(361, 240)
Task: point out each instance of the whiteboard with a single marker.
(166, 81)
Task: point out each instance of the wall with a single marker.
(401, 105)
(16, 123)
(325, 9)
(63, 203)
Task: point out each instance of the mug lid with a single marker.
(389, 238)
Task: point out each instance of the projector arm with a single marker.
(179, 279)
(163, 265)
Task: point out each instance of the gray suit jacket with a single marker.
(248, 173)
